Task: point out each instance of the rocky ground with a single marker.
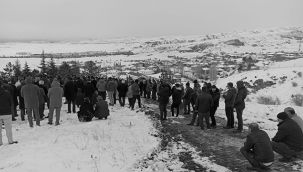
(221, 146)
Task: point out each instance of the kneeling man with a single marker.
(257, 148)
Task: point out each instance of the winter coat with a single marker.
(196, 92)
(70, 91)
(101, 85)
(122, 89)
(6, 102)
(111, 86)
(164, 93)
(89, 89)
(241, 95)
(30, 93)
(188, 93)
(149, 86)
(291, 134)
(21, 100)
(177, 95)
(298, 120)
(216, 97)
(204, 102)
(86, 112)
(42, 96)
(135, 89)
(259, 142)
(101, 110)
(55, 94)
(230, 97)
(79, 98)
(129, 93)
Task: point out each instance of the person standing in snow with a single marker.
(154, 90)
(288, 141)
(129, 94)
(42, 99)
(101, 86)
(203, 104)
(122, 90)
(230, 97)
(19, 84)
(55, 94)
(6, 102)
(70, 93)
(30, 92)
(163, 94)
(215, 93)
(240, 104)
(187, 97)
(177, 98)
(111, 87)
(257, 149)
(136, 93)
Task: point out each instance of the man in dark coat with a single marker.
(187, 97)
(122, 90)
(70, 93)
(19, 85)
(203, 105)
(177, 98)
(257, 149)
(136, 93)
(163, 98)
(154, 90)
(6, 102)
(230, 97)
(289, 139)
(30, 93)
(215, 93)
(240, 104)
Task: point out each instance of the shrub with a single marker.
(297, 99)
(294, 84)
(268, 100)
(300, 74)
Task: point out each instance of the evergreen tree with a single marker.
(64, 70)
(52, 68)
(26, 70)
(43, 64)
(17, 68)
(91, 69)
(75, 68)
(8, 70)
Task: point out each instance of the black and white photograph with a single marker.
(151, 85)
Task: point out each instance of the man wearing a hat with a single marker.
(289, 139)
(257, 148)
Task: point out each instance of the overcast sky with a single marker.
(99, 19)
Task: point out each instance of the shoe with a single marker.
(14, 119)
(226, 127)
(285, 159)
(14, 142)
(50, 123)
(57, 124)
(190, 124)
(202, 128)
(22, 119)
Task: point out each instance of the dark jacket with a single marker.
(111, 85)
(177, 95)
(135, 89)
(6, 102)
(101, 110)
(30, 93)
(230, 97)
(204, 102)
(241, 95)
(259, 143)
(80, 97)
(86, 112)
(122, 89)
(70, 91)
(291, 134)
(188, 93)
(164, 93)
(216, 97)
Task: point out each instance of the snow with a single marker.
(101, 145)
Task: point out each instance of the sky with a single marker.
(102, 19)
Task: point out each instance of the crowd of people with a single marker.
(89, 94)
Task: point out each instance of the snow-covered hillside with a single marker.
(114, 145)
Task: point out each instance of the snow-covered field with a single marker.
(114, 145)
